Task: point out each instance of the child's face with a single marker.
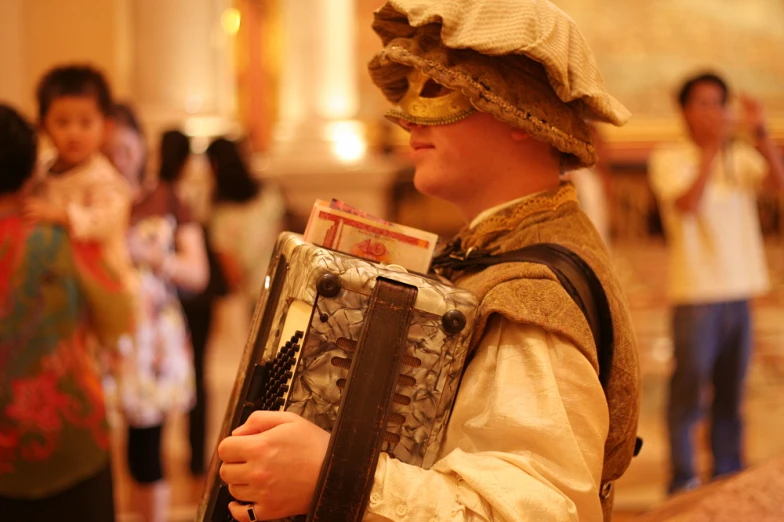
(76, 126)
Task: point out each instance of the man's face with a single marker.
(706, 111)
(76, 126)
(452, 160)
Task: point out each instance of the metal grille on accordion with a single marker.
(307, 329)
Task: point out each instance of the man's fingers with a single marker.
(237, 450)
(233, 473)
(261, 421)
(243, 493)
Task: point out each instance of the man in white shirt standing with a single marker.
(706, 188)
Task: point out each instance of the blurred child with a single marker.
(80, 189)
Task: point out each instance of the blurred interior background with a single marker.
(288, 78)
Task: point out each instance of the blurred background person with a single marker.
(167, 248)
(198, 306)
(245, 220)
(55, 293)
(706, 188)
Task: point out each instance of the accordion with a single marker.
(370, 353)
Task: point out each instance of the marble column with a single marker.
(182, 77)
(182, 66)
(12, 56)
(319, 149)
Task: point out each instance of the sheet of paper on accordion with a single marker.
(338, 226)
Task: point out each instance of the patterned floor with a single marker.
(642, 269)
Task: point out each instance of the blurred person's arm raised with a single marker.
(757, 125)
(689, 201)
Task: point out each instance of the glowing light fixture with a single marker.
(230, 20)
(348, 142)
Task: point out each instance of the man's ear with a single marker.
(519, 135)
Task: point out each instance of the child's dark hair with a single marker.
(125, 116)
(18, 150)
(688, 86)
(233, 182)
(174, 151)
(73, 80)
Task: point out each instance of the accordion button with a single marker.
(453, 321)
(401, 510)
(328, 285)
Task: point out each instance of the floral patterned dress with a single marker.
(156, 375)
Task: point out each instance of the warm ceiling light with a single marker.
(231, 20)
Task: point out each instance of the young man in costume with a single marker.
(495, 94)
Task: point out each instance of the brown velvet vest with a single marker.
(530, 293)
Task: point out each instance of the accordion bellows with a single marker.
(305, 332)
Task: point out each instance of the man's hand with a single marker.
(753, 113)
(37, 210)
(274, 461)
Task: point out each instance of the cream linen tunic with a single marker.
(525, 441)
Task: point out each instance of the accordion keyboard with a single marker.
(271, 381)
(280, 373)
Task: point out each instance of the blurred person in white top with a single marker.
(706, 188)
(245, 220)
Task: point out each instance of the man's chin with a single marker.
(429, 184)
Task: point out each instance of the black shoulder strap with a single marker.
(578, 280)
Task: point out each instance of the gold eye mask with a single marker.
(428, 103)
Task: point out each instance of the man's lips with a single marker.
(418, 145)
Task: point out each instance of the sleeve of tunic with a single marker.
(525, 441)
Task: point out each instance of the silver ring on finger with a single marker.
(252, 513)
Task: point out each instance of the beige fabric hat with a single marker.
(524, 61)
